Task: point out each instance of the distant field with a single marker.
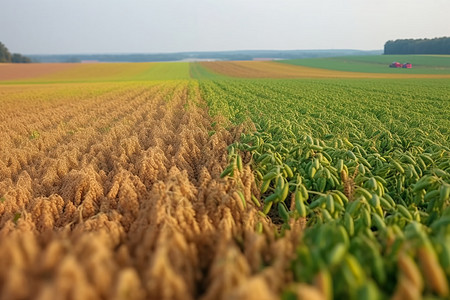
(342, 67)
(270, 69)
(25, 71)
(422, 64)
(96, 72)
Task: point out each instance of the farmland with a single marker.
(224, 180)
(422, 64)
(318, 69)
(105, 72)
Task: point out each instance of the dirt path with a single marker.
(118, 196)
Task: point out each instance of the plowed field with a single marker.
(23, 71)
(116, 194)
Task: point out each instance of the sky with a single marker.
(160, 26)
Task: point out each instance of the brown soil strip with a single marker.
(118, 196)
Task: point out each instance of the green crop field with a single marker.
(422, 64)
(366, 163)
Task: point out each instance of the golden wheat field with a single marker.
(112, 191)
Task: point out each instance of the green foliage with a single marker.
(7, 57)
(34, 135)
(18, 58)
(16, 218)
(418, 46)
(366, 163)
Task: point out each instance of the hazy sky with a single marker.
(141, 26)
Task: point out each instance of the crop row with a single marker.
(113, 191)
(366, 164)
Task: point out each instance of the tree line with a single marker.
(8, 57)
(418, 46)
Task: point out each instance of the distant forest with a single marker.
(196, 56)
(7, 57)
(418, 46)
